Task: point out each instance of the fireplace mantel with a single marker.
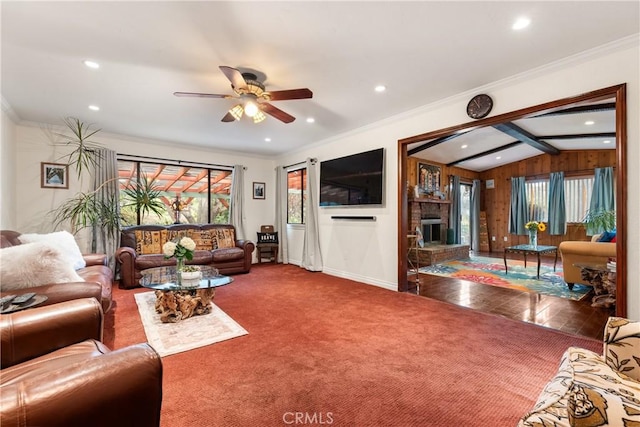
(428, 200)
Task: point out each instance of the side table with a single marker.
(603, 281)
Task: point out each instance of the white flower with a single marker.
(169, 249)
(188, 243)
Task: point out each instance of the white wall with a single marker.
(367, 251)
(7, 173)
(34, 204)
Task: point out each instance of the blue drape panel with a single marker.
(518, 212)
(557, 206)
(455, 211)
(475, 215)
(105, 183)
(602, 197)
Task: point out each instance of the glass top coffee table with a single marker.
(531, 249)
(179, 298)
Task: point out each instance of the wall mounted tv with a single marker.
(353, 180)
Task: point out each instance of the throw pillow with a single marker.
(150, 242)
(34, 264)
(606, 236)
(223, 238)
(64, 241)
(202, 239)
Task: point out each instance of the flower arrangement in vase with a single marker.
(533, 227)
(181, 249)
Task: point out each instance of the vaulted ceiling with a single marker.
(421, 51)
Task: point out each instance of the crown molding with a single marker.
(9, 111)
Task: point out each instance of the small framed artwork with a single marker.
(54, 175)
(491, 183)
(258, 190)
(429, 177)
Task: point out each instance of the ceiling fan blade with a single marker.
(228, 118)
(281, 95)
(276, 112)
(235, 76)
(202, 95)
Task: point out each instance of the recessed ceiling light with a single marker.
(498, 158)
(521, 23)
(464, 146)
(606, 141)
(267, 140)
(589, 122)
(380, 88)
(310, 120)
(94, 108)
(92, 64)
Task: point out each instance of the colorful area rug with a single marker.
(490, 271)
(194, 332)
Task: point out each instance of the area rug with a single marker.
(194, 332)
(490, 271)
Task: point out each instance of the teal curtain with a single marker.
(455, 211)
(475, 215)
(518, 212)
(602, 196)
(557, 206)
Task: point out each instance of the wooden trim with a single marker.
(619, 91)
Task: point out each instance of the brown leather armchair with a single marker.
(56, 372)
(97, 275)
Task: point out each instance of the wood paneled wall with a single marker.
(496, 201)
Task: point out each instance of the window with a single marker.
(296, 196)
(182, 194)
(577, 195)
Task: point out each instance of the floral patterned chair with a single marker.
(594, 390)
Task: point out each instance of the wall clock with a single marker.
(479, 106)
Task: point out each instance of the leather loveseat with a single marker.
(97, 275)
(56, 371)
(216, 245)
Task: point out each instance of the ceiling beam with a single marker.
(522, 135)
(592, 108)
(433, 143)
(486, 153)
(581, 135)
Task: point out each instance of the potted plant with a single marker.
(598, 221)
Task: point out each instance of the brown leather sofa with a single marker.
(141, 248)
(97, 275)
(56, 372)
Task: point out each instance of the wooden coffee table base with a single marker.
(174, 306)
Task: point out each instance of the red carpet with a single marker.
(347, 354)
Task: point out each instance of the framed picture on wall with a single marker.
(429, 177)
(54, 175)
(258, 190)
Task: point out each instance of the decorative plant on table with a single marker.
(533, 227)
(181, 249)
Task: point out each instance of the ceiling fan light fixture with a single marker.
(251, 109)
(258, 117)
(237, 112)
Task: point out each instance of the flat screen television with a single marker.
(353, 180)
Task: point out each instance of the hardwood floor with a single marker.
(574, 317)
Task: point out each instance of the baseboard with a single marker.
(363, 279)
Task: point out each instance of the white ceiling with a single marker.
(422, 52)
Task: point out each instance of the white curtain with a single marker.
(281, 213)
(237, 215)
(311, 255)
(105, 236)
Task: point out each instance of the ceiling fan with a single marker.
(254, 100)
